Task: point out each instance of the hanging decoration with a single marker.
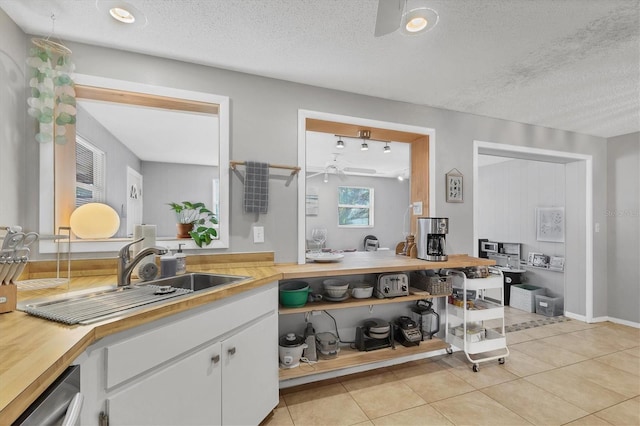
(53, 98)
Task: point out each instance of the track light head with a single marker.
(364, 146)
(340, 144)
(386, 149)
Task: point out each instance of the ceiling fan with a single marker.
(411, 16)
(335, 167)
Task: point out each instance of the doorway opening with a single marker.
(578, 244)
(422, 142)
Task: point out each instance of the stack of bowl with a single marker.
(335, 288)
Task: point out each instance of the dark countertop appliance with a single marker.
(432, 238)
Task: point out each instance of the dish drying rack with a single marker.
(62, 237)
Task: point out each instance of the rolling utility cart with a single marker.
(473, 323)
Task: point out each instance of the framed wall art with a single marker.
(454, 189)
(550, 224)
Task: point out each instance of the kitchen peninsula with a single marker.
(36, 351)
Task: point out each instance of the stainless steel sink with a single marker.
(88, 306)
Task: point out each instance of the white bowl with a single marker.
(362, 291)
(335, 287)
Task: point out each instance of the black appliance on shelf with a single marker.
(407, 332)
(374, 334)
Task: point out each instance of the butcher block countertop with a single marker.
(34, 351)
(367, 262)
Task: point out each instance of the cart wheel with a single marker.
(449, 351)
(500, 360)
(476, 368)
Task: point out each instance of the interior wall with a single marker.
(623, 218)
(391, 198)
(117, 158)
(13, 146)
(576, 263)
(509, 193)
(272, 107)
(170, 182)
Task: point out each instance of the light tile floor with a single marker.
(565, 373)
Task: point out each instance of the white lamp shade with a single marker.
(94, 220)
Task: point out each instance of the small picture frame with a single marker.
(556, 263)
(531, 257)
(454, 186)
(540, 260)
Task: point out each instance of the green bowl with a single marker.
(294, 294)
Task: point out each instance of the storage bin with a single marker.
(523, 296)
(433, 284)
(549, 306)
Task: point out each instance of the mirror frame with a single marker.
(303, 115)
(47, 197)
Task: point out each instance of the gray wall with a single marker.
(264, 127)
(117, 158)
(509, 193)
(391, 198)
(165, 183)
(13, 139)
(623, 217)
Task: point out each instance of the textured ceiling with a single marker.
(570, 64)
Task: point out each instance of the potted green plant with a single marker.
(195, 221)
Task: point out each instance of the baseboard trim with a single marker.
(602, 319)
(624, 322)
(575, 316)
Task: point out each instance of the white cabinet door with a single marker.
(185, 393)
(250, 373)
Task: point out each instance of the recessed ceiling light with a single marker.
(122, 15)
(419, 20)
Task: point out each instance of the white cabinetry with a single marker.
(477, 327)
(215, 364)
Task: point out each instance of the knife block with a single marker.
(8, 297)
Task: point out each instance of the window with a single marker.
(355, 207)
(90, 173)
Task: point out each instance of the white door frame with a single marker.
(302, 163)
(517, 151)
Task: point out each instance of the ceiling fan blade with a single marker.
(389, 16)
(314, 175)
(359, 170)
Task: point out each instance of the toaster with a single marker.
(392, 285)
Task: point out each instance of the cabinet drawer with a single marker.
(142, 351)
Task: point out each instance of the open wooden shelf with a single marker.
(352, 358)
(354, 303)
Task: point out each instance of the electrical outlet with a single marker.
(258, 234)
(417, 208)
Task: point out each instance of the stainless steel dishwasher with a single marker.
(60, 404)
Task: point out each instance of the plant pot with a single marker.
(184, 229)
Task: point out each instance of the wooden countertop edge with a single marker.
(268, 273)
(398, 263)
(25, 398)
(14, 408)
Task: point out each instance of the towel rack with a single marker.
(294, 169)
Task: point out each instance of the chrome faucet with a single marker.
(126, 265)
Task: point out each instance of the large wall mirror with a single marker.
(146, 146)
(395, 170)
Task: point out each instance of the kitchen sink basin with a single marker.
(88, 306)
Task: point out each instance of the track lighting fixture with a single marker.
(340, 143)
(387, 148)
(364, 146)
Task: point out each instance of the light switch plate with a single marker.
(417, 208)
(258, 234)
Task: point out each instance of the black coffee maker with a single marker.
(432, 238)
